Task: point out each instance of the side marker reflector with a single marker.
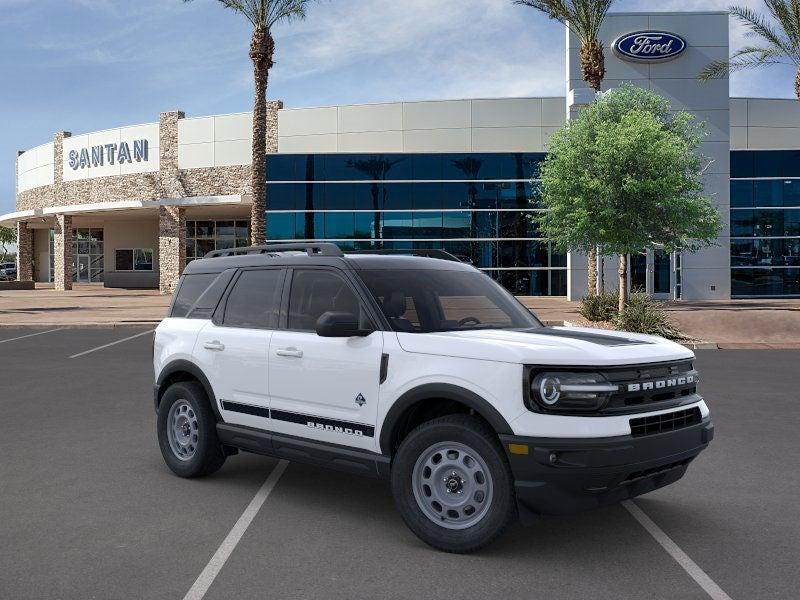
(518, 448)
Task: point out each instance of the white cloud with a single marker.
(420, 48)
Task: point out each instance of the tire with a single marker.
(471, 478)
(190, 446)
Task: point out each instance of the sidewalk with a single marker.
(739, 324)
(87, 305)
(731, 324)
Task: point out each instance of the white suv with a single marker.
(422, 371)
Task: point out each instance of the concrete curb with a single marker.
(701, 345)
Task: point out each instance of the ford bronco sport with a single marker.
(422, 371)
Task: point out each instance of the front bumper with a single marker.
(566, 475)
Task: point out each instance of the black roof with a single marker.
(326, 254)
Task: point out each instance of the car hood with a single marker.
(547, 346)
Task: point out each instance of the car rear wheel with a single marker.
(187, 432)
(452, 484)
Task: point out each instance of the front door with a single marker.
(233, 349)
(324, 388)
(651, 272)
(83, 269)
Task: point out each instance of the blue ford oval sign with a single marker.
(649, 46)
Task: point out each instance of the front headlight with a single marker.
(571, 391)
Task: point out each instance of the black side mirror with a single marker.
(340, 324)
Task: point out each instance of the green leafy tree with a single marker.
(626, 175)
(263, 15)
(7, 236)
(584, 19)
(778, 40)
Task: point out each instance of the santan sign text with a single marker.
(97, 156)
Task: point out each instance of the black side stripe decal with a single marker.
(335, 425)
(247, 409)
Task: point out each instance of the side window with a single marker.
(254, 301)
(192, 286)
(207, 302)
(315, 292)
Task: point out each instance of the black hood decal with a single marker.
(594, 338)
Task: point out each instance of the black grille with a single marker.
(665, 422)
(661, 383)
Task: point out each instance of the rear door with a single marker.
(232, 349)
(324, 388)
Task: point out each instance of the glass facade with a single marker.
(765, 223)
(476, 206)
(205, 236)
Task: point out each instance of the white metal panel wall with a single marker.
(765, 124)
(35, 167)
(215, 141)
(483, 125)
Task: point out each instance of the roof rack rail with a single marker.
(322, 249)
(423, 252)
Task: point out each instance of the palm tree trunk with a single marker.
(797, 84)
(593, 70)
(623, 282)
(593, 67)
(262, 48)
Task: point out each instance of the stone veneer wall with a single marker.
(217, 181)
(24, 252)
(62, 250)
(171, 246)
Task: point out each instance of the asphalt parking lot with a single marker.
(89, 510)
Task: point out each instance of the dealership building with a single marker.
(130, 206)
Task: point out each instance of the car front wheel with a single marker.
(452, 484)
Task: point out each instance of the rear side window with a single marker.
(254, 301)
(192, 286)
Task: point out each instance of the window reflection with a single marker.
(765, 223)
(464, 203)
(205, 236)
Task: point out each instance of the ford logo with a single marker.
(649, 46)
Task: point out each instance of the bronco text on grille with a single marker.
(648, 387)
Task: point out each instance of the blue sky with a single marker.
(84, 65)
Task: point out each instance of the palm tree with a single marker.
(584, 19)
(263, 15)
(376, 168)
(779, 41)
(471, 167)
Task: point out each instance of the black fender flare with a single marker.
(185, 366)
(444, 391)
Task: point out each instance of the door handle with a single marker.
(290, 352)
(215, 345)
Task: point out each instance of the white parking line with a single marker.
(688, 565)
(111, 344)
(22, 337)
(220, 557)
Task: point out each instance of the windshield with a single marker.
(424, 301)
